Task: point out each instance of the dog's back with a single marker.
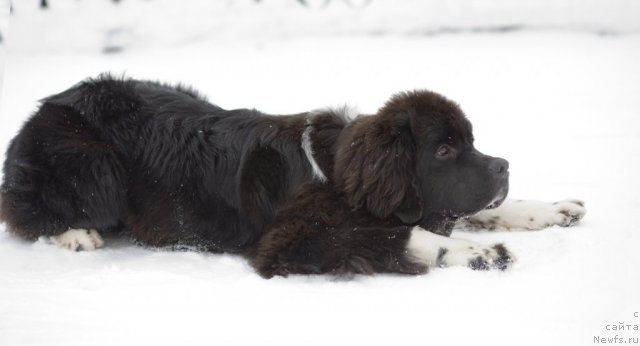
(158, 159)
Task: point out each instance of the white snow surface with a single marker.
(561, 105)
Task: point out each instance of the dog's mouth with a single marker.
(496, 202)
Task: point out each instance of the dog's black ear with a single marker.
(410, 210)
(375, 167)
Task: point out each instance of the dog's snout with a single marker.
(499, 166)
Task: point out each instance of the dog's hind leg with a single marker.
(78, 239)
(526, 215)
(61, 181)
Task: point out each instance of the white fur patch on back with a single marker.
(79, 239)
(527, 215)
(306, 146)
(345, 112)
(428, 248)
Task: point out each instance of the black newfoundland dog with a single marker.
(313, 192)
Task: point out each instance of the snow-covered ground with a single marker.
(4, 21)
(561, 104)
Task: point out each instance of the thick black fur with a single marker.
(170, 168)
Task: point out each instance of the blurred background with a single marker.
(110, 27)
(551, 85)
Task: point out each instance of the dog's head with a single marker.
(415, 159)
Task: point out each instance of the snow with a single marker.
(101, 25)
(559, 100)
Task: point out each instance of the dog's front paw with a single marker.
(527, 215)
(480, 257)
(431, 249)
(568, 212)
(539, 215)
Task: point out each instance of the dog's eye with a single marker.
(444, 151)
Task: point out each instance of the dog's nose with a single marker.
(499, 166)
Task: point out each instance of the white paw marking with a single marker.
(78, 239)
(527, 215)
(479, 256)
(435, 250)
